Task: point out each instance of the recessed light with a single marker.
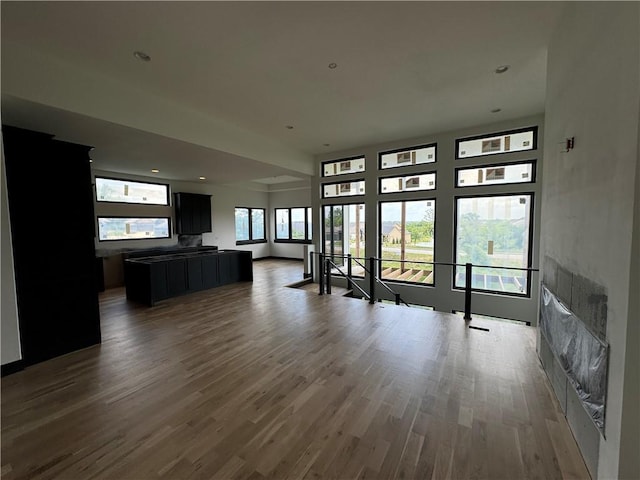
(142, 56)
(289, 127)
(155, 170)
(496, 110)
(333, 65)
(502, 69)
(202, 178)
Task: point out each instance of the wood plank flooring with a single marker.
(258, 380)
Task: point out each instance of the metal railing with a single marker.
(327, 265)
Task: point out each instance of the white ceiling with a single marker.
(226, 78)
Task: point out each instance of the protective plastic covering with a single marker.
(583, 356)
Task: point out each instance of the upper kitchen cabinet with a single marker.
(193, 213)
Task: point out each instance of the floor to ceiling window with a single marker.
(344, 234)
(491, 232)
(406, 240)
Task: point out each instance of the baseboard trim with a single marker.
(12, 367)
(278, 258)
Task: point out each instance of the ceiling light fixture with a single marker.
(327, 144)
(202, 178)
(496, 110)
(502, 69)
(333, 65)
(142, 56)
(289, 127)
(155, 170)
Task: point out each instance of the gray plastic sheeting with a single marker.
(583, 356)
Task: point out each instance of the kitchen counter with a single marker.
(149, 279)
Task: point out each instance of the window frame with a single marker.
(533, 179)
(169, 228)
(407, 149)
(166, 185)
(322, 185)
(380, 243)
(340, 160)
(534, 145)
(251, 240)
(306, 240)
(386, 177)
(527, 294)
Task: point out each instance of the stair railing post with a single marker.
(320, 274)
(328, 274)
(349, 282)
(397, 298)
(372, 280)
(467, 291)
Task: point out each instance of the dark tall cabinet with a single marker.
(193, 213)
(52, 228)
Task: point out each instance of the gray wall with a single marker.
(589, 192)
(442, 297)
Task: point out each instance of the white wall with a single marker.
(442, 296)
(10, 337)
(288, 198)
(588, 193)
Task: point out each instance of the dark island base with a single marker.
(158, 277)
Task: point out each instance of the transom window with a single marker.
(128, 191)
(343, 167)
(493, 143)
(250, 225)
(408, 183)
(130, 228)
(344, 189)
(496, 174)
(408, 156)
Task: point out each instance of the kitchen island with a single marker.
(149, 279)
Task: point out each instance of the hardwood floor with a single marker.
(257, 380)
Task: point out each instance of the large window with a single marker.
(127, 191)
(344, 233)
(493, 143)
(493, 232)
(408, 156)
(128, 228)
(406, 240)
(250, 225)
(343, 167)
(293, 225)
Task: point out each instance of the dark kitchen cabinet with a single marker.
(151, 279)
(194, 273)
(177, 277)
(210, 277)
(52, 221)
(229, 269)
(193, 213)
